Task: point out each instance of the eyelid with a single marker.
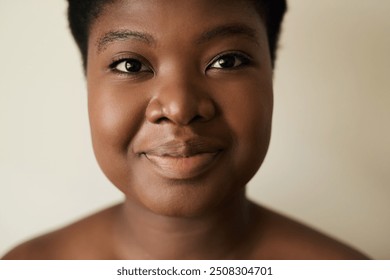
(247, 59)
(128, 56)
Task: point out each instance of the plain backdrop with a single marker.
(329, 159)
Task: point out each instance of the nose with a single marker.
(180, 100)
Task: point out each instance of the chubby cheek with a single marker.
(249, 115)
(115, 114)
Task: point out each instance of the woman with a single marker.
(180, 103)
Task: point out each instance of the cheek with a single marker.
(115, 113)
(250, 119)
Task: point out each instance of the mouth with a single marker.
(183, 159)
(182, 167)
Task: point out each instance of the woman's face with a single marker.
(180, 100)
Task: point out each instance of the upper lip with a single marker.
(184, 147)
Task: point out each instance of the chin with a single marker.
(182, 199)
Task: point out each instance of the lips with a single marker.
(183, 159)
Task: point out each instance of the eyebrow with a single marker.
(122, 35)
(217, 32)
(228, 31)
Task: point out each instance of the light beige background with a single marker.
(329, 160)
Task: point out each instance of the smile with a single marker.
(182, 167)
(183, 160)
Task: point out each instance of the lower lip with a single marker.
(182, 167)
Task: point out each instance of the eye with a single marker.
(129, 66)
(230, 60)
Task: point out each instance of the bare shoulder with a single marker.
(89, 238)
(284, 238)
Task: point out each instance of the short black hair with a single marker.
(83, 13)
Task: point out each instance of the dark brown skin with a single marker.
(180, 136)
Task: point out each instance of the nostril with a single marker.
(162, 120)
(197, 118)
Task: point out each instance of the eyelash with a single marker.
(113, 66)
(243, 61)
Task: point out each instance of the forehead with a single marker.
(183, 19)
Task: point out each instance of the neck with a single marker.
(216, 234)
